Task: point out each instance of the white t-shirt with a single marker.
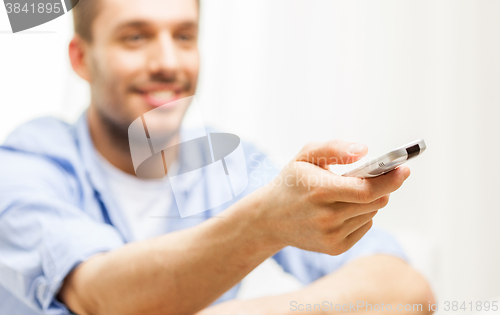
(144, 203)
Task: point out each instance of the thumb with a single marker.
(331, 152)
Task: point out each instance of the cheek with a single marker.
(192, 65)
(124, 66)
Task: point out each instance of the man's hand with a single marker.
(309, 207)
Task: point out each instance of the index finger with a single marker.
(365, 190)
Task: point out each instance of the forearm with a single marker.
(178, 273)
(371, 280)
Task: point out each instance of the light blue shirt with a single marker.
(56, 211)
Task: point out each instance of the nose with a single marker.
(164, 58)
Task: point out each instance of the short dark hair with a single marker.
(84, 13)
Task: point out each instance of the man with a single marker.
(74, 233)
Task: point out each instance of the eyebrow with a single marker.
(142, 24)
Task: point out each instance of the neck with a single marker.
(112, 142)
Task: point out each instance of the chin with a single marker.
(164, 123)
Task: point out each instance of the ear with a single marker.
(78, 55)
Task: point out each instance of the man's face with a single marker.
(144, 54)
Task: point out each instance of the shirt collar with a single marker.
(94, 174)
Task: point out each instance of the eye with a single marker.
(135, 37)
(185, 37)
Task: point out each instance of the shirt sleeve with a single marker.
(44, 233)
(309, 266)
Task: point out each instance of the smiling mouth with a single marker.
(161, 97)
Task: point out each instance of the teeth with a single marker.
(163, 95)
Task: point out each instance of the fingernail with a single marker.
(406, 173)
(356, 148)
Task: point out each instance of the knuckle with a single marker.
(319, 194)
(333, 144)
(304, 152)
(335, 150)
(359, 182)
(383, 201)
(324, 223)
(332, 239)
(368, 226)
(332, 249)
(344, 213)
(365, 195)
(309, 146)
(339, 249)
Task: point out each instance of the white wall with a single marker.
(35, 76)
(285, 72)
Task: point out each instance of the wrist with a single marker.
(252, 212)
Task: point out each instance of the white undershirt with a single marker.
(144, 203)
